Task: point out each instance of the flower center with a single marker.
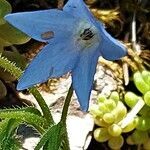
(86, 35)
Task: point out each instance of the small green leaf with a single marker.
(46, 136)
(33, 110)
(11, 35)
(56, 138)
(53, 138)
(15, 57)
(3, 124)
(8, 140)
(25, 116)
(10, 67)
(5, 8)
(26, 109)
(9, 126)
(4, 42)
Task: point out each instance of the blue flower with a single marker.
(75, 40)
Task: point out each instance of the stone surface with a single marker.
(30, 143)
(78, 131)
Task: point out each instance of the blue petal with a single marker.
(53, 61)
(110, 48)
(37, 23)
(79, 9)
(83, 76)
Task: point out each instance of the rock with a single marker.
(79, 131)
(30, 143)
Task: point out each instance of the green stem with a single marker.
(43, 105)
(66, 141)
(66, 105)
(17, 72)
(64, 116)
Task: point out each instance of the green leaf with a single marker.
(3, 124)
(10, 67)
(26, 109)
(45, 137)
(54, 138)
(32, 110)
(5, 8)
(15, 57)
(9, 126)
(10, 35)
(4, 42)
(8, 140)
(25, 116)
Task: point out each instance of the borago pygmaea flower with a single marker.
(75, 41)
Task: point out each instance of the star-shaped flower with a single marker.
(75, 41)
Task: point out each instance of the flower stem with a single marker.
(64, 116)
(46, 111)
(66, 105)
